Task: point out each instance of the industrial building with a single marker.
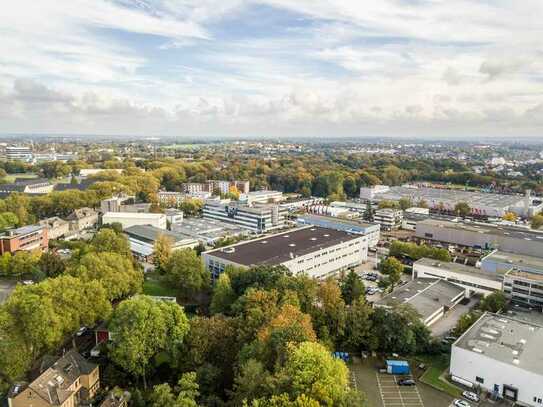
(127, 219)
(301, 203)
(481, 203)
(502, 355)
(431, 298)
(216, 186)
(142, 240)
(315, 251)
(257, 219)
(371, 230)
(481, 235)
(412, 216)
(472, 279)
(207, 231)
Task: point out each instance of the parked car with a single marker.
(81, 331)
(451, 338)
(461, 403)
(406, 382)
(471, 396)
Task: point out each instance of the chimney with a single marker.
(527, 202)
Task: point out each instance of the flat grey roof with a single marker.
(478, 227)
(207, 228)
(515, 259)
(436, 194)
(460, 268)
(426, 295)
(150, 233)
(506, 339)
(276, 249)
(354, 222)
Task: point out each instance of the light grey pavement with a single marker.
(6, 287)
(448, 322)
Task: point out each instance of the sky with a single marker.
(273, 68)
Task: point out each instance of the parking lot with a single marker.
(394, 395)
(382, 390)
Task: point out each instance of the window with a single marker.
(479, 379)
(430, 235)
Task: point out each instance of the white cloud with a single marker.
(347, 67)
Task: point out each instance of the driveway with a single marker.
(449, 320)
(6, 287)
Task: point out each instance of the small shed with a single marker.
(397, 367)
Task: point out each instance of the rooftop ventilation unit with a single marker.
(229, 250)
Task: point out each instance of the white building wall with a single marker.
(472, 283)
(329, 261)
(469, 365)
(128, 219)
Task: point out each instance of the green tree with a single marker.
(162, 251)
(186, 271)
(465, 321)
(352, 287)
(405, 203)
(311, 370)
(24, 263)
(8, 220)
(107, 240)
(462, 209)
(223, 296)
(51, 264)
(163, 396)
(537, 221)
(142, 328)
(114, 271)
(392, 270)
(358, 328)
(494, 302)
(388, 204)
(252, 382)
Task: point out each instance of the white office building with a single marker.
(502, 355)
(388, 218)
(127, 219)
(18, 153)
(315, 251)
(257, 219)
(264, 196)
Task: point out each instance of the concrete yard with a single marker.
(382, 390)
(6, 287)
(450, 319)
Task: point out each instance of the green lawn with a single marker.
(436, 366)
(11, 177)
(156, 287)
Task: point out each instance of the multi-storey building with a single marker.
(83, 218)
(69, 382)
(258, 219)
(388, 218)
(315, 251)
(32, 237)
(19, 153)
(27, 186)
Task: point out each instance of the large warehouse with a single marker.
(481, 203)
(485, 236)
(502, 355)
(316, 251)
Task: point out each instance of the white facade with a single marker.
(174, 216)
(261, 197)
(127, 219)
(501, 355)
(388, 218)
(331, 260)
(258, 219)
(88, 172)
(475, 281)
(319, 264)
(18, 153)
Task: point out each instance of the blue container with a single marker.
(397, 367)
